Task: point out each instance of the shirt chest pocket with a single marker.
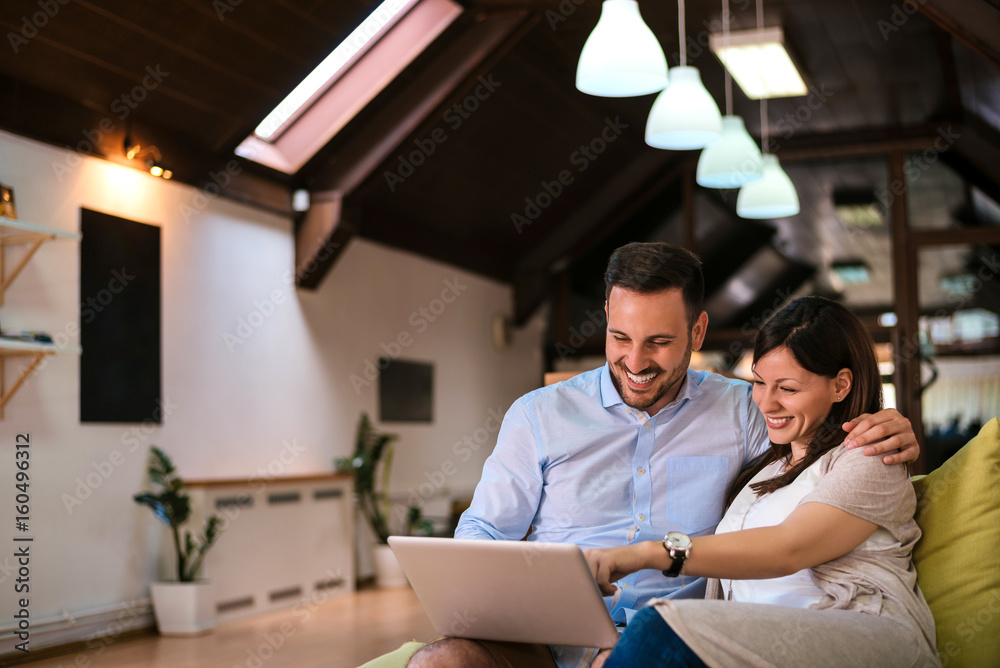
(696, 487)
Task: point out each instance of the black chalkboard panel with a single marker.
(119, 320)
(405, 391)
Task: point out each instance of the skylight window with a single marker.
(327, 71)
(357, 70)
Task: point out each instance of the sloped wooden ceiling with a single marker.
(527, 176)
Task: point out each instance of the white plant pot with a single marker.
(183, 608)
(388, 572)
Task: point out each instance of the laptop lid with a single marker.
(516, 591)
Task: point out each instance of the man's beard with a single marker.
(646, 399)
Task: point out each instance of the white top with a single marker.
(749, 511)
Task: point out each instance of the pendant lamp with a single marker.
(684, 116)
(735, 159)
(773, 196)
(732, 161)
(622, 56)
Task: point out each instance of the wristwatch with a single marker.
(678, 547)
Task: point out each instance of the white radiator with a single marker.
(286, 541)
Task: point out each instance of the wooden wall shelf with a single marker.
(36, 351)
(17, 233)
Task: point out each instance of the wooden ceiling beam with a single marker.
(980, 151)
(858, 143)
(597, 217)
(65, 123)
(482, 39)
(975, 23)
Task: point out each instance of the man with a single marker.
(630, 451)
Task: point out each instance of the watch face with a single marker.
(678, 540)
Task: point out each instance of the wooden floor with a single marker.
(343, 632)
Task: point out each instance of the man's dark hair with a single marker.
(655, 266)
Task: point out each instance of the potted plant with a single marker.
(371, 464)
(184, 607)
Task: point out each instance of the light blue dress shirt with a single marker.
(576, 465)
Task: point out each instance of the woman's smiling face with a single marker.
(794, 401)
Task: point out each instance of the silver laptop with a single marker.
(517, 591)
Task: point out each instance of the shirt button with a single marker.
(641, 470)
(642, 518)
(647, 425)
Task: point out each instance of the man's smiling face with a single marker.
(649, 344)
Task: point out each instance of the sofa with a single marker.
(957, 557)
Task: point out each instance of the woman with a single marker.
(813, 554)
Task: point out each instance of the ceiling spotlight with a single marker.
(157, 169)
(131, 148)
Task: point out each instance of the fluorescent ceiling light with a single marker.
(759, 62)
(328, 71)
(348, 79)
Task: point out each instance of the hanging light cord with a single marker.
(763, 99)
(725, 40)
(680, 32)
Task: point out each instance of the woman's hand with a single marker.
(612, 564)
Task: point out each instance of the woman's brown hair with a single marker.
(824, 337)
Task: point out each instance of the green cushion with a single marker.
(958, 556)
(396, 659)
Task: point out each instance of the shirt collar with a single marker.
(690, 389)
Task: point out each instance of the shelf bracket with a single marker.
(5, 393)
(36, 241)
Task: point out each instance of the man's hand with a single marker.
(883, 432)
(613, 563)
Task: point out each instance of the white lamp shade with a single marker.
(684, 116)
(622, 56)
(732, 161)
(773, 196)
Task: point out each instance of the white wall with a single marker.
(233, 408)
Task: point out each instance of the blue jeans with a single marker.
(649, 641)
